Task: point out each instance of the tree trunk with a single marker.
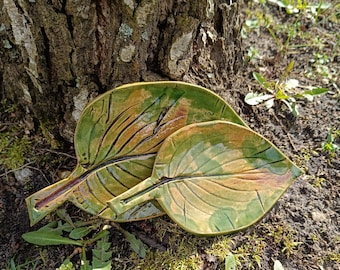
(57, 55)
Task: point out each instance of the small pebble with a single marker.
(23, 175)
(319, 216)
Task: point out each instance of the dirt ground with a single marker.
(302, 231)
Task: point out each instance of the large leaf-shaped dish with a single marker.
(116, 140)
(214, 178)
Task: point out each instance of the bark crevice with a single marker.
(66, 52)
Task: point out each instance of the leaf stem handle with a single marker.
(139, 194)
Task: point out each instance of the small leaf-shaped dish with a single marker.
(214, 178)
(117, 139)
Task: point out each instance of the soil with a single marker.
(302, 231)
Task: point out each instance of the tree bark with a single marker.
(57, 55)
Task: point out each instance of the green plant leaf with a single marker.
(280, 95)
(287, 71)
(12, 264)
(52, 226)
(230, 262)
(135, 244)
(80, 232)
(66, 265)
(102, 254)
(85, 265)
(214, 178)
(99, 235)
(316, 91)
(116, 141)
(63, 215)
(310, 94)
(261, 80)
(292, 106)
(44, 238)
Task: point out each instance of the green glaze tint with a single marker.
(213, 178)
(116, 141)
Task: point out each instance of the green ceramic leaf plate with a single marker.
(213, 178)
(116, 141)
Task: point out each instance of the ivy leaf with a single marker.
(214, 178)
(117, 139)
